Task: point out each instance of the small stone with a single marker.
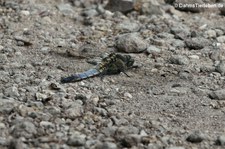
(12, 92)
(175, 147)
(1, 47)
(128, 95)
(101, 111)
(25, 12)
(3, 58)
(211, 33)
(220, 140)
(221, 39)
(221, 67)
(24, 129)
(76, 140)
(131, 43)
(40, 96)
(218, 94)
(123, 6)
(65, 9)
(46, 124)
(151, 9)
(95, 100)
(179, 60)
(107, 145)
(195, 137)
(194, 57)
(178, 43)
(127, 26)
(197, 43)
(90, 13)
(131, 140)
(181, 31)
(153, 50)
(74, 111)
(45, 49)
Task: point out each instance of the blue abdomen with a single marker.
(80, 76)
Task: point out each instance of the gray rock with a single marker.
(47, 125)
(109, 131)
(222, 9)
(107, 145)
(127, 26)
(210, 33)
(197, 43)
(17, 144)
(3, 58)
(221, 39)
(220, 140)
(131, 42)
(180, 31)
(123, 6)
(24, 129)
(76, 140)
(101, 111)
(195, 137)
(90, 13)
(131, 140)
(151, 9)
(218, 94)
(178, 43)
(153, 50)
(179, 60)
(221, 67)
(65, 9)
(6, 107)
(74, 111)
(12, 92)
(175, 147)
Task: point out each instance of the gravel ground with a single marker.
(174, 99)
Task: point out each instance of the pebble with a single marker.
(218, 94)
(151, 9)
(131, 140)
(47, 124)
(123, 6)
(25, 12)
(221, 67)
(74, 111)
(107, 145)
(220, 140)
(3, 58)
(153, 50)
(211, 33)
(127, 26)
(131, 43)
(90, 13)
(12, 91)
(176, 147)
(221, 39)
(180, 31)
(196, 137)
(179, 60)
(197, 43)
(128, 95)
(194, 57)
(24, 129)
(76, 140)
(65, 9)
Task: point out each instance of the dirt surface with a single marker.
(174, 99)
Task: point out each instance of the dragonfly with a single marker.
(114, 63)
